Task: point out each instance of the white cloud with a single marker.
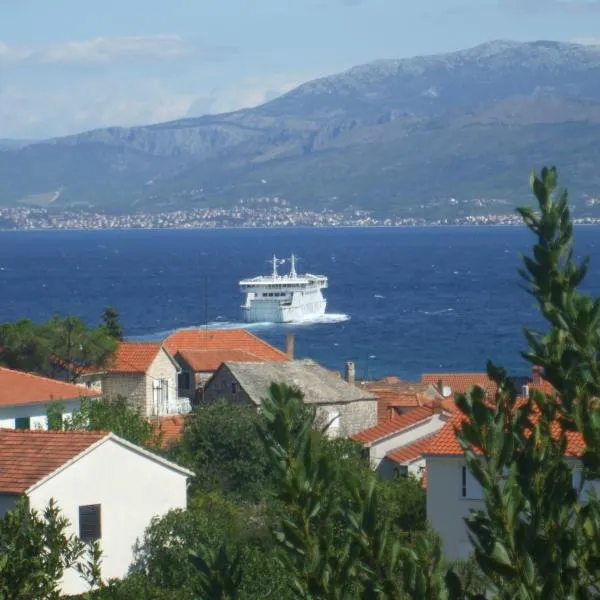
(31, 110)
(249, 92)
(27, 113)
(107, 50)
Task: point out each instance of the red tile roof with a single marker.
(224, 340)
(387, 428)
(393, 393)
(26, 457)
(445, 442)
(211, 360)
(460, 383)
(171, 428)
(133, 357)
(17, 387)
(413, 451)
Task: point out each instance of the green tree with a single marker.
(111, 323)
(220, 444)
(62, 345)
(107, 414)
(24, 347)
(35, 550)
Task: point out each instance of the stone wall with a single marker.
(130, 385)
(224, 386)
(353, 417)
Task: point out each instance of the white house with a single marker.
(452, 492)
(396, 445)
(25, 398)
(108, 488)
(143, 372)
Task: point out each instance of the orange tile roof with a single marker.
(410, 452)
(222, 339)
(133, 357)
(392, 393)
(211, 360)
(170, 427)
(459, 383)
(387, 428)
(26, 457)
(17, 387)
(445, 442)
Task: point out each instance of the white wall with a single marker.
(446, 508)
(36, 412)
(162, 367)
(379, 449)
(130, 488)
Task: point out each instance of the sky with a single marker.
(71, 65)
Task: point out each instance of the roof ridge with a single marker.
(12, 430)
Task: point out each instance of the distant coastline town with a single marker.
(28, 218)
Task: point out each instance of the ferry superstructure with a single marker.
(287, 298)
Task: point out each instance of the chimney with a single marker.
(290, 342)
(536, 375)
(440, 387)
(350, 372)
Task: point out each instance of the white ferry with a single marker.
(283, 298)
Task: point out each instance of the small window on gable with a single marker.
(90, 528)
(23, 423)
(471, 488)
(233, 387)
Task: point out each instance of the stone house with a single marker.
(345, 406)
(25, 399)
(108, 489)
(143, 372)
(200, 352)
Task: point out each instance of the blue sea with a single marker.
(400, 301)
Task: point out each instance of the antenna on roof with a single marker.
(206, 303)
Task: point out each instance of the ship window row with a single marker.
(271, 294)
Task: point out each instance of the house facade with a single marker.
(25, 399)
(453, 492)
(200, 352)
(345, 407)
(146, 374)
(107, 488)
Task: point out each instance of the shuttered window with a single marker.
(23, 423)
(90, 528)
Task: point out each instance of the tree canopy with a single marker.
(61, 345)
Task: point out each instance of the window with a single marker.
(233, 387)
(23, 423)
(471, 488)
(184, 380)
(90, 528)
(160, 393)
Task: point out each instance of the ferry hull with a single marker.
(272, 312)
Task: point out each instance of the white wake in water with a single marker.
(327, 318)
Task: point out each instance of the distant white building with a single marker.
(108, 488)
(25, 398)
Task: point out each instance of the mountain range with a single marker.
(396, 137)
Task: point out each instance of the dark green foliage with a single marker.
(61, 346)
(36, 549)
(111, 323)
(107, 414)
(220, 444)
